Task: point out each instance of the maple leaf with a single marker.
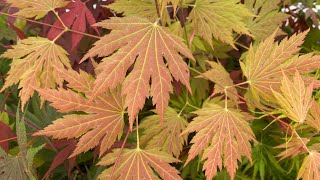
(310, 168)
(36, 8)
(295, 98)
(264, 65)
(218, 18)
(136, 39)
(220, 76)
(103, 122)
(267, 17)
(75, 15)
(34, 65)
(63, 155)
(140, 8)
(313, 119)
(228, 134)
(294, 147)
(137, 164)
(165, 136)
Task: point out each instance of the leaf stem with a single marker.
(64, 26)
(158, 11)
(225, 98)
(119, 154)
(137, 128)
(241, 45)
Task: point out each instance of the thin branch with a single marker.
(45, 24)
(119, 154)
(158, 10)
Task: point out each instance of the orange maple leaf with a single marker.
(227, 133)
(103, 120)
(294, 147)
(152, 49)
(310, 168)
(35, 64)
(137, 163)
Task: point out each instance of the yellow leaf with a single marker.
(139, 164)
(164, 136)
(267, 17)
(263, 65)
(295, 98)
(219, 18)
(36, 8)
(35, 63)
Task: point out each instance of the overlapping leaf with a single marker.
(140, 8)
(223, 134)
(310, 168)
(264, 66)
(103, 122)
(75, 16)
(164, 136)
(146, 45)
(36, 8)
(267, 18)
(313, 119)
(35, 63)
(218, 19)
(222, 78)
(294, 147)
(139, 164)
(295, 98)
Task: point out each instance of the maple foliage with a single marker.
(295, 99)
(310, 166)
(35, 63)
(144, 160)
(36, 8)
(218, 19)
(313, 118)
(294, 147)
(220, 76)
(103, 121)
(266, 19)
(228, 134)
(264, 65)
(144, 9)
(75, 16)
(213, 89)
(166, 135)
(146, 43)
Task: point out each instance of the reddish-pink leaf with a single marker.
(75, 15)
(62, 156)
(5, 133)
(156, 55)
